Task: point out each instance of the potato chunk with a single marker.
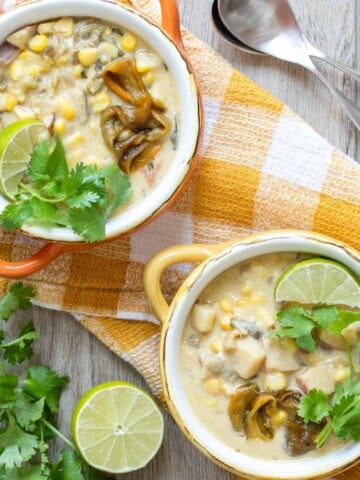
(280, 356)
(203, 317)
(247, 357)
(320, 376)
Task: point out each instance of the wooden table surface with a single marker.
(332, 25)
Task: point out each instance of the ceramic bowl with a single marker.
(214, 260)
(167, 43)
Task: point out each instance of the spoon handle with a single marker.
(347, 104)
(315, 53)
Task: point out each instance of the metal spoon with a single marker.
(312, 51)
(270, 27)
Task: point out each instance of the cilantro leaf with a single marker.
(118, 186)
(88, 222)
(15, 215)
(16, 445)
(313, 406)
(296, 323)
(81, 198)
(8, 384)
(17, 298)
(27, 412)
(45, 166)
(84, 200)
(69, 468)
(29, 472)
(43, 211)
(41, 382)
(57, 165)
(343, 320)
(38, 166)
(20, 349)
(324, 316)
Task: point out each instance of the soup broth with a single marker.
(53, 71)
(228, 343)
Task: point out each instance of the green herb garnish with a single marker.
(342, 409)
(28, 406)
(81, 198)
(299, 324)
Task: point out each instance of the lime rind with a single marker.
(117, 427)
(318, 281)
(16, 144)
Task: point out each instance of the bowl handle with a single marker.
(171, 21)
(33, 264)
(166, 258)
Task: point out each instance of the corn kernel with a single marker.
(227, 304)
(88, 56)
(225, 322)
(64, 26)
(65, 108)
(280, 417)
(62, 60)
(148, 79)
(341, 373)
(60, 126)
(128, 42)
(29, 56)
(74, 140)
(214, 386)
(99, 102)
(38, 43)
(246, 289)
(275, 381)
(211, 403)
(216, 345)
(7, 102)
(77, 71)
(142, 68)
(16, 70)
(107, 52)
(242, 303)
(32, 70)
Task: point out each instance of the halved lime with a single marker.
(318, 281)
(17, 141)
(117, 427)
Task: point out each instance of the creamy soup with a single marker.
(227, 345)
(102, 89)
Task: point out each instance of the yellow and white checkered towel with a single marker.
(261, 168)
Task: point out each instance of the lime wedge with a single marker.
(117, 427)
(17, 141)
(318, 281)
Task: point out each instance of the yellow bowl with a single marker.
(214, 260)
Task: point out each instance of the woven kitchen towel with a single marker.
(261, 168)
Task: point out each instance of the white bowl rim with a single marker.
(298, 468)
(189, 131)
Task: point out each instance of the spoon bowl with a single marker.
(226, 34)
(270, 27)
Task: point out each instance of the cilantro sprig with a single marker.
(342, 409)
(300, 324)
(28, 407)
(51, 193)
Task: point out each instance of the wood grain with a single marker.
(68, 348)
